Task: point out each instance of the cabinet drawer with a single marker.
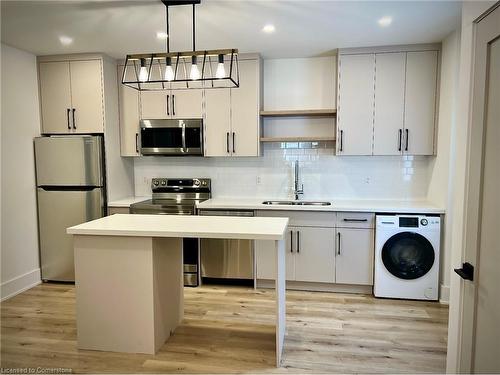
(355, 220)
(302, 218)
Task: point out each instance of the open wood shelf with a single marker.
(297, 139)
(300, 113)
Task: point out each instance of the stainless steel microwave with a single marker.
(172, 137)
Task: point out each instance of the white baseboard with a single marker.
(444, 294)
(318, 287)
(20, 283)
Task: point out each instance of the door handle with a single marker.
(298, 241)
(338, 243)
(137, 142)
(74, 122)
(291, 241)
(406, 141)
(341, 140)
(400, 139)
(355, 220)
(173, 105)
(168, 105)
(67, 117)
(234, 150)
(466, 272)
(184, 137)
(227, 142)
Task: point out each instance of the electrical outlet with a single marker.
(258, 180)
(367, 180)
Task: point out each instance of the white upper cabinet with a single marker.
(389, 103)
(217, 122)
(72, 96)
(186, 103)
(387, 100)
(128, 99)
(420, 102)
(356, 74)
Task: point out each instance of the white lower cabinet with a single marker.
(354, 256)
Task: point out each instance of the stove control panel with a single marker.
(179, 183)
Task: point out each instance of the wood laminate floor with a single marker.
(229, 329)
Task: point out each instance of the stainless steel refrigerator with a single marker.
(71, 190)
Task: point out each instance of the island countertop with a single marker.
(253, 228)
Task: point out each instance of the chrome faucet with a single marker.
(296, 190)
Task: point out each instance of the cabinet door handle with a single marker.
(298, 241)
(227, 142)
(338, 243)
(341, 140)
(291, 241)
(137, 143)
(407, 136)
(234, 150)
(400, 139)
(168, 105)
(173, 105)
(355, 220)
(67, 117)
(74, 122)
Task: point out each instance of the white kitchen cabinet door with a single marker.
(217, 122)
(265, 254)
(128, 101)
(420, 102)
(87, 96)
(314, 254)
(245, 107)
(186, 103)
(355, 101)
(155, 104)
(55, 97)
(354, 256)
(389, 103)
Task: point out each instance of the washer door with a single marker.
(408, 255)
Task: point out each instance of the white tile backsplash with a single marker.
(324, 175)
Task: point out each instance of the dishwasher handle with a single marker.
(225, 213)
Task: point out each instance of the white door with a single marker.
(389, 103)
(480, 328)
(420, 102)
(354, 256)
(356, 74)
(87, 96)
(217, 122)
(128, 102)
(314, 254)
(265, 254)
(155, 104)
(55, 97)
(245, 106)
(186, 103)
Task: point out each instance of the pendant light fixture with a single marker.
(182, 70)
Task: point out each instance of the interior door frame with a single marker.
(485, 29)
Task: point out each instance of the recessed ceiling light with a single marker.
(385, 21)
(269, 29)
(65, 40)
(161, 35)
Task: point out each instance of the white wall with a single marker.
(470, 11)
(440, 186)
(20, 123)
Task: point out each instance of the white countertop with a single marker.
(251, 228)
(358, 205)
(126, 202)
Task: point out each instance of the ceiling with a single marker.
(302, 28)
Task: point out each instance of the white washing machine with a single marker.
(407, 256)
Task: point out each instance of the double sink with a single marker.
(297, 203)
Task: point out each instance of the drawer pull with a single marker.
(291, 241)
(338, 248)
(355, 220)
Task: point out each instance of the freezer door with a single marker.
(231, 259)
(69, 161)
(58, 210)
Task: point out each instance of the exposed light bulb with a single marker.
(385, 21)
(221, 71)
(195, 72)
(143, 72)
(169, 72)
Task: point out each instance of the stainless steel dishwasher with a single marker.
(226, 258)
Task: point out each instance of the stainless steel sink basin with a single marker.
(297, 203)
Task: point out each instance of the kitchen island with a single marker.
(129, 275)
